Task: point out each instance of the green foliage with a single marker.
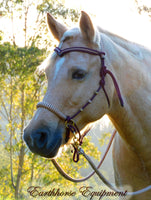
(20, 90)
(104, 138)
(19, 62)
(1, 35)
(17, 75)
(57, 9)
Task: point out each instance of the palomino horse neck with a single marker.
(131, 152)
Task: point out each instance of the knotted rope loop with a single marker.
(77, 140)
(103, 72)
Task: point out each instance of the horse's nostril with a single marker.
(39, 138)
(44, 141)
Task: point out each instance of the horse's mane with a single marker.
(134, 48)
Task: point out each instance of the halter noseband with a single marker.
(70, 125)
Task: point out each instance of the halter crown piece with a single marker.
(70, 125)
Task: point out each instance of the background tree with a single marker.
(19, 92)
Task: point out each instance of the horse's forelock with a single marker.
(70, 34)
(76, 31)
(46, 63)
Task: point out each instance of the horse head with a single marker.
(72, 79)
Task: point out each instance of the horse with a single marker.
(73, 77)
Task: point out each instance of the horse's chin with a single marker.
(53, 151)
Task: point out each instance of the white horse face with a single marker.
(72, 80)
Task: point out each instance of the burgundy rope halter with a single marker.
(70, 125)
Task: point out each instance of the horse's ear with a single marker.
(86, 27)
(55, 27)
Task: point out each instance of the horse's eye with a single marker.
(79, 74)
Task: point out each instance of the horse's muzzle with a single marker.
(43, 142)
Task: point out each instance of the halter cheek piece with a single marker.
(70, 125)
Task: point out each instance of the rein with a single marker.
(72, 127)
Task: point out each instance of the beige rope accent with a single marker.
(51, 108)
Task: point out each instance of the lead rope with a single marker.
(65, 175)
(106, 182)
(96, 170)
